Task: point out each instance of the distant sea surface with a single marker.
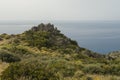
(98, 36)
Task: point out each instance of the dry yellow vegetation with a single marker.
(104, 77)
(3, 66)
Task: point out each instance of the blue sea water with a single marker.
(98, 36)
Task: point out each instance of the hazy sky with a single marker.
(59, 9)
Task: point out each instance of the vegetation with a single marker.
(44, 53)
(8, 57)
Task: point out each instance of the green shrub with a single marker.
(21, 50)
(73, 42)
(112, 69)
(93, 69)
(5, 36)
(30, 71)
(89, 78)
(8, 57)
(38, 39)
(39, 70)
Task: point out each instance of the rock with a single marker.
(113, 55)
(46, 27)
(34, 28)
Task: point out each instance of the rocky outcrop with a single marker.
(45, 27)
(113, 55)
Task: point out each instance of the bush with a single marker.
(39, 70)
(8, 57)
(73, 42)
(30, 71)
(89, 78)
(21, 50)
(5, 36)
(38, 39)
(112, 69)
(93, 69)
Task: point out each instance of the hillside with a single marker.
(44, 53)
(45, 36)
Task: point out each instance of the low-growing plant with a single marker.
(8, 57)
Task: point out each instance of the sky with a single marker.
(59, 9)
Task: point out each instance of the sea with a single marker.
(98, 36)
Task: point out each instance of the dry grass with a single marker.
(3, 66)
(104, 77)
